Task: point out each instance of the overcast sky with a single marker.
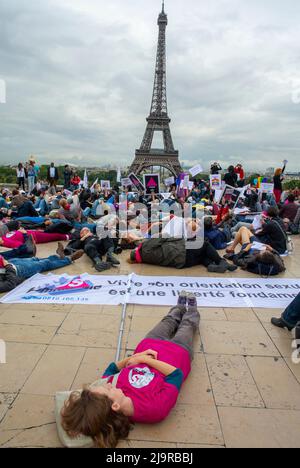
(79, 77)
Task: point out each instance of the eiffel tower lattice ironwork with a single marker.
(158, 120)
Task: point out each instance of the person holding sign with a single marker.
(241, 175)
(278, 179)
(142, 388)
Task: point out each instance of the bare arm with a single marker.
(160, 366)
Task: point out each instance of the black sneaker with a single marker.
(214, 268)
(103, 266)
(30, 246)
(278, 322)
(110, 258)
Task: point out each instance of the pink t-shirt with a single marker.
(13, 240)
(153, 394)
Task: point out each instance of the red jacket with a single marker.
(240, 171)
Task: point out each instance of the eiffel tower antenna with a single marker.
(158, 120)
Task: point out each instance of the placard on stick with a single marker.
(152, 183)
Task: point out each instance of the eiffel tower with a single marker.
(158, 120)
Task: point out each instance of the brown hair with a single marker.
(90, 414)
(278, 172)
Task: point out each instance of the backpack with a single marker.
(289, 242)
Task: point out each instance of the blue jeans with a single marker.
(28, 267)
(20, 252)
(29, 219)
(291, 315)
(80, 226)
(41, 204)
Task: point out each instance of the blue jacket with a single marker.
(217, 238)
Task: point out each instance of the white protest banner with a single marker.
(216, 182)
(169, 181)
(66, 289)
(85, 180)
(184, 184)
(126, 182)
(268, 188)
(94, 184)
(215, 292)
(105, 184)
(269, 293)
(196, 170)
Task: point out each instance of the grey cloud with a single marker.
(80, 74)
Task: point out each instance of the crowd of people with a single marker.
(182, 228)
(244, 227)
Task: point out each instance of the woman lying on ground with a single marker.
(14, 239)
(272, 233)
(148, 382)
(254, 257)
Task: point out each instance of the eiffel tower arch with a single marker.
(158, 120)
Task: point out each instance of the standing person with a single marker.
(290, 317)
(148, 383)
(31, 176)
(21, 176)
(278, 179)
(215, 168)
(52, 175)
(67, 176)
(231, 177)
(241, 175)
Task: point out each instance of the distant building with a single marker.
(270, 171)
(292, 176)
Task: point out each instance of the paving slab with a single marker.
(260, 428)
(232, 382)
(27, 333)
(21, 360)
(277, 384)
(195, 424)
(55, 371)
(236, 338)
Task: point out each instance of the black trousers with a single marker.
(98, 247)
(204, 256)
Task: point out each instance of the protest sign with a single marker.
(105, 184)
(267, 188)
(216, 182)
(136, 182)
(126, 182)
(196, 170)
(231, 196)
(169, 181)
(152, 183)
(269, 293)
